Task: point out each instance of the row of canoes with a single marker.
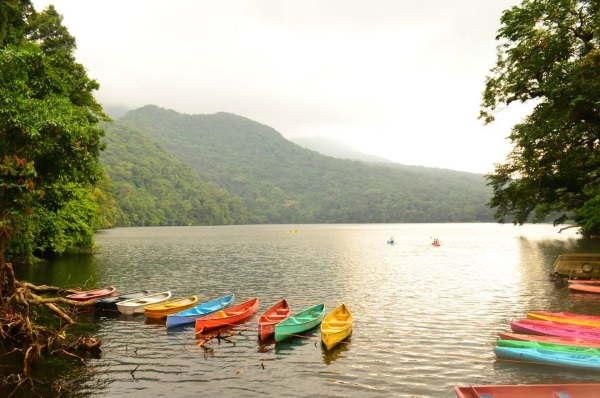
(549, 338)
(277, 321)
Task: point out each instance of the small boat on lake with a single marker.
(227, 316)
(190, 315)
(584, 288)
(565, 317)
(110, 303)
(549, 328)
(436, 243)
(300, 322)
(92, 294)
(549, 346)
(162, 309)
(276, 313)
(551, 339)
(583, 390)
(136, 305)
(336, 326)
(548, 357)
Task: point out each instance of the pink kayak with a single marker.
(565, 317)
(549, 328)
(573, 341)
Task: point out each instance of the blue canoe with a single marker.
(549, 357)
(191, 314)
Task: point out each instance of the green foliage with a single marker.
(280, 182)
(549, 56)
(153, 188)
(48, 136)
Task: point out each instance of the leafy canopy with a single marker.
(549, 56)
(49, 141)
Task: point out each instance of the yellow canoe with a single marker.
(336, 326)
(161, 310)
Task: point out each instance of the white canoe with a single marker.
(136, 306)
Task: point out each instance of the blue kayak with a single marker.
(549, 357)
(191, 314)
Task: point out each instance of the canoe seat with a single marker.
(336, 324)
(281, 311)
(560, 394)
(277, 316)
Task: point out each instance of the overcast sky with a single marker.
(398, 79)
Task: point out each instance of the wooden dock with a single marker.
(576, 266)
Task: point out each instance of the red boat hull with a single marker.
(271, 317)
(584, 288)
(92, 294)
(574, 341)
(584, 390)
(227, 316)
(548, 328)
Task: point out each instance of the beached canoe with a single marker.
(565, 317)
(190, 315)
(110, 303)
(92, 294)
(162, 309)
(136, 305)
(228, 316)
(551, 339)
(548, 357)
(549, 328)
(584, 288)
(300, 322)
(273, 315)
(336, 326)
(549, 346)
(583, 390)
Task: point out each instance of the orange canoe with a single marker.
(267, 321)
(92, 294)
(584, 288)
(575, 341)
(227, 316)
(161, 310)
(565, 317)
(583, 390)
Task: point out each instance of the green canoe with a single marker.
(549, 346)
(300, 322)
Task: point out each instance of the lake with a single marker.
(425, 318)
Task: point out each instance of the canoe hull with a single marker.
(574, 341)
(336, 326)
(547, 357)
(584, 288)
(278, 312)
(584, 390)
(136, 306)
(161, 310)
(92, 294)
(300, 322)
(228, 316)
(565, 317)
(110, 303)
(548, 328)
(190, 315)
(549, 346)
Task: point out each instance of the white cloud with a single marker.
(398, 79)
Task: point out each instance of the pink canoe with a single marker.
(584, 288)
(548, 328)
(565, 317)
(582, 390)
(92, 294)
(272, 316)
(574, 341)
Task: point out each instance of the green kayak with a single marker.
(549, 346)
(300, 322)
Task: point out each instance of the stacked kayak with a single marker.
(574, 341)
(191, 314)
(549, 328)
(565, 317)
(549, 346)
(549, 357)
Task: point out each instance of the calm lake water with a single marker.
(425, 318)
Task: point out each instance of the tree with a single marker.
(49, 148)
(549, 56)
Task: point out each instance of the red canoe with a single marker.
(584, 390)
(227, 316)
(267, 321)
(574, 341)
(92, 294)
(548, 328)
(584, 288)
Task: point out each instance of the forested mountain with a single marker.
(152, 187)
(279, 181)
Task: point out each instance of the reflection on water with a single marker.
(425, 318)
